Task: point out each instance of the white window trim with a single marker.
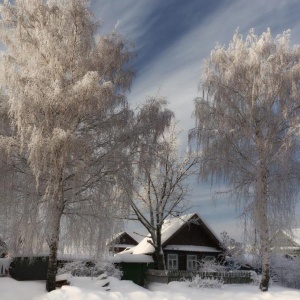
(173, 259)
(191, 258)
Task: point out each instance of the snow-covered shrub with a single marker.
(198, 282)
(73, 267)
(255, 278)
(90, 269)
(285, 270)
(110, 269)
(211, 266)
(233, 249)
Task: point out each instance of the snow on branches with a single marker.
(247, 127)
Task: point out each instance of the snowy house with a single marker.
(186, 240)
(286, 242)
(120, 242)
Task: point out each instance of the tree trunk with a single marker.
(159, 255)
(160, 259)
(261, 212)
(52, 266)
(54, 237)
(265, 246)
(264, 284)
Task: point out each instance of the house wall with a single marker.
(182, 257)
(195, 234)
(29, 268)
(135, 271)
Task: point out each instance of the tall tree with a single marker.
(66, 87)
(158, 186)
(247, 128)
(18, 194)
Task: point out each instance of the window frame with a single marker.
(188, 259)
(169, 259)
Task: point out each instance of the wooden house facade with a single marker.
(186, 241)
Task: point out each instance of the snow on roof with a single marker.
(123, 246)
(295, 236)
(287, 248)
(114, 237)
(129, 258)
(169, 227)
(60, 256)
(190, 248)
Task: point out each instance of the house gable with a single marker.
(194, 233)
(122, 241)
(125, 238)
(194, 239)
(281, 239)
(284, 242)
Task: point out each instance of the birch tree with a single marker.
(158, 186)
(247, 128)
(66, 87)
(17, 193)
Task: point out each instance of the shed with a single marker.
(134, 266)
(29, 268)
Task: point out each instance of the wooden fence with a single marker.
(167, 276)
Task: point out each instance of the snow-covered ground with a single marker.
(88, 289)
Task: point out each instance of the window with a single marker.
(191, 262)
(172, 262)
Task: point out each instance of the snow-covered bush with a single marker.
(285, 270)
(255, 278)
(233, 249)
(198, 282)
(91, 269)
(110, 269)
(211, 266)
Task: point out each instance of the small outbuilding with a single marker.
(134, 266)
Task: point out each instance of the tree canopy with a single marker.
(247, 127)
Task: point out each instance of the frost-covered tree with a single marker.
(234, 249)
(66, 87)
(247, 128)
(18, 194)
(158, 187)
(285, 270)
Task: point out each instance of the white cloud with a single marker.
(127, 14)
(176, 72)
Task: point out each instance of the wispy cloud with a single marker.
(173, 37)
(177, 70)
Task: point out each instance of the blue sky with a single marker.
(172, 37)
